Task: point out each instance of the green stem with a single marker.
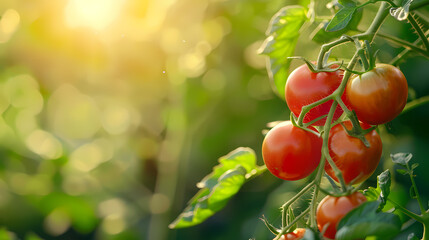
(292, 200)
(402, 54)
(405, 44)
(307, 108)
(419, 31)
(425, 231)
(416, 191)
(369, 34)
(407, 212)
(284, 229)
(382, 13)
(317, 181)
(415, 103)
(418, 5)
(325, 146)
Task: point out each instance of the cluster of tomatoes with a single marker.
(292, 153)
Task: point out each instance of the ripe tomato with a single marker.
(351, 156)
(378, 96)
(304, 87)
(332, 209)
(297, 234)
(291, 153)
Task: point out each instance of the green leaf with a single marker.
(402, 12)
(322, 36)
(218, 187)
(372, 194)
(347, 2)
(383, 182)
(282, 36)
(365, 221)
(414, 166)
(342, 17)
(401, 158)
(402, 171)
(382, 191)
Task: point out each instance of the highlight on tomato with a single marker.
(332, 209)
(356, 161)
(378, 96)
(291, 153)
(304, 87)
(297, 234)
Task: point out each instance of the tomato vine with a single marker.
(281, 39)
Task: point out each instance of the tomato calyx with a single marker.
(358, 132)
(326, 67)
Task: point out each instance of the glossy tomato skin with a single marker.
(351, 156)
(332, 209)
(297, 234)
(304, 87)
(378, 96)
(291, 153)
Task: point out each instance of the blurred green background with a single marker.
(112, 111)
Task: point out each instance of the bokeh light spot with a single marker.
(114, 224)
(9, 22)
(73, 115)
(159, 203)
(114, 206)
(116, 119)
(57, 222)
(44, 144)
(87, 157)
(97, 14)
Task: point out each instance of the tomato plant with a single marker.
(332, 209)
(333, 105)
(304, 87)
(356, 161)
(379, 95)
(291, 153)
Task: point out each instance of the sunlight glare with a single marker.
(96, 14)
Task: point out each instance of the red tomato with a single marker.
(297, 234)
(291, 153)
(304, 87)
(351, 156)
(378, 96)
(332, 209)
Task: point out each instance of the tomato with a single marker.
(378, 96)
(332, 209)
(304, 87)
(291, 153)
(351, 156)
(297, 234)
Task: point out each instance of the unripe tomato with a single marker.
(304, 87)
(297, 234)
(332, 209)
(291, 153)
(356, 161)
(378, 96)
